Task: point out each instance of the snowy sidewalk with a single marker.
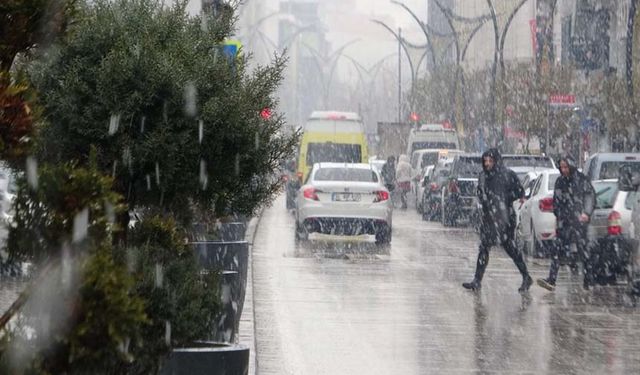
(247, 328)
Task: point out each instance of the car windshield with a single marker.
(605, 193)
(429, 158)
(333, 153)
(527, 161)
(611, 169)
(468, 167)
(345, 174)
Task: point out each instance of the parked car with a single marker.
(528, 182)
(536, 230)
(459, 199)
(422, 186)
(431, 198)
(609, 201)
(609, 231)
(344, 199)
(420, 159)
(629, 181)
(602, 166)
(523, 164)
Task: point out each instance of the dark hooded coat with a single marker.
(498, 188)
(573, 195)
(388, 172)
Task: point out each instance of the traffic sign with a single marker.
(231, 49)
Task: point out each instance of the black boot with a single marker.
(526, 283)
(547, 284)
(473, 285)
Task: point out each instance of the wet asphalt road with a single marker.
(349, 307)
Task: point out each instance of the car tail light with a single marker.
(614, 223)
(311, 193)
(546, 204)
(433, 186)
(453, 186)
(381, 196)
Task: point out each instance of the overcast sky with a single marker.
(348, 23)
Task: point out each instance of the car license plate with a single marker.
(346, 197)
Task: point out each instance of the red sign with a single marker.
(562, 99)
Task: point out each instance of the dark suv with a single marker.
(459, 198)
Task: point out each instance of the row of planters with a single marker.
(125, 106)
(228, 254)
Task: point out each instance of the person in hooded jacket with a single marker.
(403, 177)
(574, 200)
(498, 188)
(388, 173)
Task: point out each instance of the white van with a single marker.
(432, 136)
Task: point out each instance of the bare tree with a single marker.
(629, 46)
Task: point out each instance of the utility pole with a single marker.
(399, 75)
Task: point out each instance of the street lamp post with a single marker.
(367, 89)
(331, 60)
(425, 30)
(400, 75)
(401, 47)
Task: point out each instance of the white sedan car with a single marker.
(528, 181)
(536, 229)
(344, 199)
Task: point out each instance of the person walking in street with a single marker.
(388, 173)
(403, 177)
(574, 200)
(498, 188)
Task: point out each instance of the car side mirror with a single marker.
(628, 180)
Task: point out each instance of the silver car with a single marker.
(344, 199)
(610, 231)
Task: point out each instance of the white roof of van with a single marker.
(433, 127)
(344, 165)
(614, 156)
(334, 115)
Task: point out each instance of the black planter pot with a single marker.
(231, 259)
(211, 358)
